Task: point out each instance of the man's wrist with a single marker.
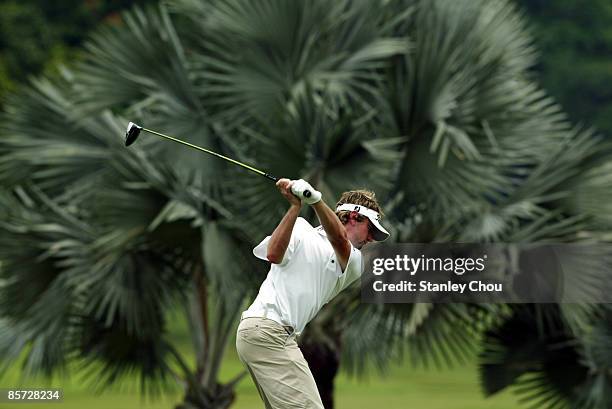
(305, 192)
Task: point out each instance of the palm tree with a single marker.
(119, 237)
(430, 103)
(477, 165)
(109, 249)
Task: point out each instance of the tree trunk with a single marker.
(324, 361)
(221, 398)
(200, 393)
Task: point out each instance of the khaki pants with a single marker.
(276, 365)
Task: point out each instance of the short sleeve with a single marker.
(352, 272)
(354, 266)
(261, 250)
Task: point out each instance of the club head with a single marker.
(131, 134)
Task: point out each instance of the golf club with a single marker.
(133, 131)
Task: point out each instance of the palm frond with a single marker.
(55, 151)
(596, 352)
(427, 334)
(39, 304)
(92, 274)
(549, 366)
(134, 65)
(588, 195)
(468, 110)
(110, 353)
(533, 350)
(254, 57)
(336, 151)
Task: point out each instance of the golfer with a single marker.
(309, 266)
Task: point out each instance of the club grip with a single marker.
(275, 179)
(306, 193)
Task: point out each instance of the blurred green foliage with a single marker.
(575, 66)
(573, 36)
(37, 35)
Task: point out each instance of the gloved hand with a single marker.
(298, 187)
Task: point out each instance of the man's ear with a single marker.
(353, 217)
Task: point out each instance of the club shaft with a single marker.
(252, 169)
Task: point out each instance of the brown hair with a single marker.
(360, 197)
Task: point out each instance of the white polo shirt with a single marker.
(308, 277)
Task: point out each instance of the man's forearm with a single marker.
(336, 233)
(282, 234)
(330, 222)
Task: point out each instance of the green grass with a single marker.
(402, 387)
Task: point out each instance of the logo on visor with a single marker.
(357, 208)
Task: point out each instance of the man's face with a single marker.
(359, 232)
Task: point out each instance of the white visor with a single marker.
(380, 233)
